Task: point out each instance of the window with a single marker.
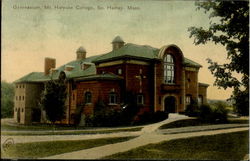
(16, 97)
(16, 86)
(23, 86)
(87, 97)
(23, 97)
(22, 109)
(113, 98)
(168, 69)
(188, 100)
(19, 97)
(200, 100)
(119, 71)
(140, 99)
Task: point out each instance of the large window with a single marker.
(87, 97)
(113, 98)
(168, 69)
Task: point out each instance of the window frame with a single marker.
(169, 69)
(113, 101)
(88, 97)
(142, 99)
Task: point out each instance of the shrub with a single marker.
(220, 112)
(215, 114)
(205, 113)
(150, 117)
(192, 109)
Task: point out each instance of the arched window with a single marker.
(87, 97)
(168, 68)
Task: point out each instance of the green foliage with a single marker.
(7, 99)
(150, 117)
(216, 113)
(231, 31)
(192, 109)
(53, 100)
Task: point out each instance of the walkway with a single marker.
(106, 150)
(149, 134)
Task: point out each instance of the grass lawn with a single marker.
(196, 122)
(231, 146)
(44, 149)
(100, 131)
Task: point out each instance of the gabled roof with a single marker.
(130, 50)
(76, 72)
(190, 63)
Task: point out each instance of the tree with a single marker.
(53, 99)
(7, 99)
(231, 31)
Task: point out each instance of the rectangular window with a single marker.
(113, 98)
(87, 97)
(140, 99)
(200, 100)
(119, 71)
(188, 100)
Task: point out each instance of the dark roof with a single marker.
(105, 76)
(191, 63)
(203, 84)
(130, 50)
(141, 52)
(76, 72)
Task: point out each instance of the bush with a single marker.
(192, 109)
(205, 113)
(215, 114)
(220, 112)
(150, 117)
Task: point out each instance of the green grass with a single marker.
(231, 146)
(44, 149)
(196, 122)
(73, 132)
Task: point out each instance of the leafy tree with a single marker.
(53, 99)
(7, 99)
(229, 27)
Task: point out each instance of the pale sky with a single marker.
(30, 35)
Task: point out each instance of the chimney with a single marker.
(80, 53)
(117, 43)
(49, 64)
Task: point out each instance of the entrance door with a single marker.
(170, 104)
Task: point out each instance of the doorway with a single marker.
(170, 104)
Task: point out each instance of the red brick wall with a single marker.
(192, 83)
(99, 90)
(131, 83)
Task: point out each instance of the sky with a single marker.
(35, 29)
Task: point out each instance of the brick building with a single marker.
(161, 80)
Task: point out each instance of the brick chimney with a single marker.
(49, 63)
